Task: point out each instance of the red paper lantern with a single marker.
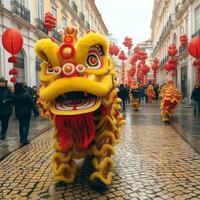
(133, 60)
(142, 55)
(13, 71)
(128, 42)
(136, 50)
(172, 64)
(122, 56)
(13, 79)
(167, 67)
(183, 40)
(114, 49)
(172, 51)
(49, 21)
(12, 41)
(194, 47)
(196, 63)
(145, 69)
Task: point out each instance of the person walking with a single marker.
(196, 99)
(5, 107)
(122, 95)
(156, 90)
(141, 93)
(35, 98)
(23, 103)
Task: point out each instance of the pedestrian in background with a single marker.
(122, 95)
(5, 106)
(156, 90)
(141, 93)
(23, 103)
(196, 99)
(35, 98)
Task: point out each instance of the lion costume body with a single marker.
(171, 97)
(150, 93)
(78, 92)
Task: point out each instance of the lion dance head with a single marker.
(78, 92)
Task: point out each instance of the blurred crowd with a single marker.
(125, 90)
(20, 100)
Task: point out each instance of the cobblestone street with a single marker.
(152, 162)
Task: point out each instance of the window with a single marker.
(74, 6)
(21, 2)
(54, 12)
(20, 66)
(40, 9)
(197, 18)
(64, 22)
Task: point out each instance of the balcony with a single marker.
(82, 16)
(178, 10)
(196, 34)
(182, 50)
(57, 36)
(164, 60)
(21, 11)
(88, 25)
(40, 25)
(74, 7)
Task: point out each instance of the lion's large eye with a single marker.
(93, 60)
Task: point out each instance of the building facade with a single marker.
(172, 18)
(28, 17)
(147, 46)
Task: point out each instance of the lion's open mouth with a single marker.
(73, 103)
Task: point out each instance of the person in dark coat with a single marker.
(122, 94)
(156, 90)
(5, 107)
(23, 103)
(141, 92)
(35, 98)
(196, 99)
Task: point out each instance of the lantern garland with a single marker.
(155, 68)
(184, 40)
(50, 23)
(12, 41)
(114, 49)
(172, 62)
(128, 43)
(122, 57)
(194, 49)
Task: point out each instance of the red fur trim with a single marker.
(75, 131)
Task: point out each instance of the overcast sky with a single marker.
(127, 18)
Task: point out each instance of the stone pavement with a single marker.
(152, 162)
(11, 143)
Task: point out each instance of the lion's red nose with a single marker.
(69, 70)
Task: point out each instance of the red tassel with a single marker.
(13, 79)
(75, 131)
(12, 59)
(13, 71)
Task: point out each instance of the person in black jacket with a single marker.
(23, 102)
(5, 107)
(122, 94)
(196, 99)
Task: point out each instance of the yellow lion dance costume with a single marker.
(150, 93)
(78, 92)
(171, 97)
(134, 96)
